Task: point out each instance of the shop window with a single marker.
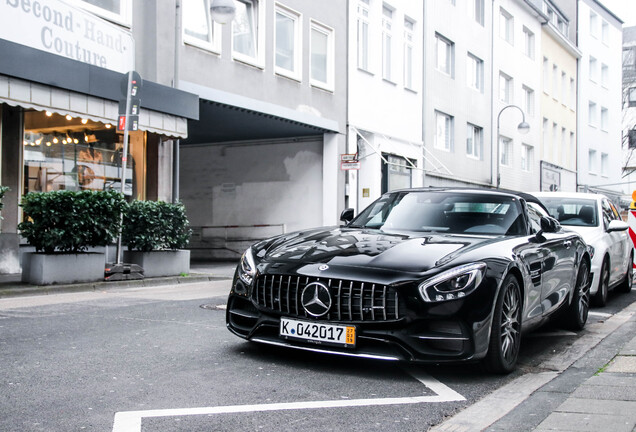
(119, 11)
(397, 172)
(66, 153)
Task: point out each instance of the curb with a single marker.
(16, 289)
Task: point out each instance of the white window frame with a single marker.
(564, 87)
(604, 119)
(387, 42)
(604, 75)
(505, 151)
(214, 30)
(527, 157)
(505, 88)
(572, 93)
(605, 32)
(408, 54)
(593, 68)
(123, 17)
(474, 141)
(258, 59)
(528, 42)
(447, 134)
(479, 11)
(593, 24)
(363, 35)
(506, 26)
(329, 32)
(527, 102)
(604, 164)
(474, 72)
(591, 114)
(296, 18)
(546, 75)
(591, 161)
(445, 44)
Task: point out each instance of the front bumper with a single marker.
(407, 331)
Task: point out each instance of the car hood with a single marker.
(370, 248)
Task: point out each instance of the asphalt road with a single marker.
(161, 359)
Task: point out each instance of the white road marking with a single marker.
(130, 421)
(600, 314)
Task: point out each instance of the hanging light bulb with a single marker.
(223, 11)
(75, 141)
(108, 125)
(69, 117)
(48, 113)
(55, 140)
(84, 121)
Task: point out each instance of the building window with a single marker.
(506, 26)
(605, 32)
(546, 75)
(474, 141)
(604, 119)
(363, 35)
(247, 32)
(76, 154)
(444, 131)
(528, 42)
(591, 114)
(604, 164)
(505, 88)
(604, 75)
(322, 56)
(288, 43)
(555, 147)
(398, 172)
(564, 88)
(527, 157)
(119, 11)
(572, 145)
(528, 100)
(593, 70)
(591, 161)
(546, 137)
(555, 81)
(505, 149)
(409, 28)
(387, 41)
(475, 73)
(198, 27)
(593, 24)
(478, 9)
(445, 54)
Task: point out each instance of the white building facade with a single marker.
(599, 103)
(384, 98)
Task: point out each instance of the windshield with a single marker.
(447, 212)
(572, 211)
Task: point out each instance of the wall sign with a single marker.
(60, 29)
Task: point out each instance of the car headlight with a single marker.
(453, 284)
(247, 267)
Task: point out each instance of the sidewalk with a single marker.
(200, 271)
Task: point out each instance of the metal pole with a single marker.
(124, 160)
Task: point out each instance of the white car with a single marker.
(596, 219)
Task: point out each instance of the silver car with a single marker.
(596, 219)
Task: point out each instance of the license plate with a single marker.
(321, 333)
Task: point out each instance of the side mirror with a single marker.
(617, 225)
(549, 224)
(347, 215)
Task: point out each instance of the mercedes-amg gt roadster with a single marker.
(422, 275)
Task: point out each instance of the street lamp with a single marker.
(222, 11)
(522, 127)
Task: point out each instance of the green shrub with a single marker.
(70, 221)
(155, 225)
(3, 190)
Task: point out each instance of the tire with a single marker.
(576, 314)
(505, 333)
(626, 285)
(600, 298)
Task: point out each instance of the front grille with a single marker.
(351, 300)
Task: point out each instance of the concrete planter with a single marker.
(160, 263)
(62, 268)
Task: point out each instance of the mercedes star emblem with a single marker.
(316, 299)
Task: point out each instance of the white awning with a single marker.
(17, 92)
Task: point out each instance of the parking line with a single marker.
(130, 421)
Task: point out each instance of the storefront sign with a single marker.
(60, 29)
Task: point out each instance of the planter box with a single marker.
(62, 268)
(160, 263)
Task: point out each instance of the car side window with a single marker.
(608, 215)
(617, 215)
(535, 218)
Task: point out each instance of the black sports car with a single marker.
(428, 275)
